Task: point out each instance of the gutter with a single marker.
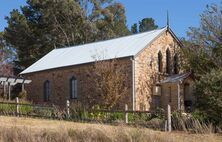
(133, 83)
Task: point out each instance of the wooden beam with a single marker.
(23, 87)
(4, 88)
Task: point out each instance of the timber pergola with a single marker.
(8, 81)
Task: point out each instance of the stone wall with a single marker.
(170, 94)
(146, 69)
(60, 88)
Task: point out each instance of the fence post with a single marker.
(126, 113)
(169, 118)
(67, 108)
(165, 125)
(17, 106)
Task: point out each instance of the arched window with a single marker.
(73, 88)
(176, 64)
(47, 91)
(160, 62)
(168, 64)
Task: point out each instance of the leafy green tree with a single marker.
(43, 25)
(202, 55)
(147, 24)
(109, 18)
(134, 29)
(204, 45)
(209, 96)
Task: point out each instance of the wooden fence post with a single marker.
(9, 91)
(67, 108)
(165, 126)
(169, 118)
(17, 106)
(126, 113)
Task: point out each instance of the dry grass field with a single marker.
(14, 129)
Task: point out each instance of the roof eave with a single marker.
(174, 35)
(130, 56)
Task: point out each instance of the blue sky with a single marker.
(183, 13)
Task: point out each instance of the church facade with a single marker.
(150, 60)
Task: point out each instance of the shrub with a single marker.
(23, 95)
(187, 123)
(78, 112)
(159, 113)
(7, 109)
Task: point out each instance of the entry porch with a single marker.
(177, 91)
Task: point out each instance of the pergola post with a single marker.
(9, 91)
(23, 87)
(4, 88)
(9, 82)
(178, 95)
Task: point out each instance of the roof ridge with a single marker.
(130, 46)
(112, 38)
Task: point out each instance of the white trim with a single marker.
(133, 83)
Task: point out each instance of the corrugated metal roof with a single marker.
(109, 49)
(176, 78)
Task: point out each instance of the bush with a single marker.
(78, 112)
(7, 109)
(159, 113)
(187, 123)
(23, 95)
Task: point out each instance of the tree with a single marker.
(43, 25)
(134, 29)
(202, 55)
(109, 18)
(209, 96)
(147, 24)
(204, 46)
(6, 56)
(109, 84)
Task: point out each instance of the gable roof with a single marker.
(114, 48)
(176, 78)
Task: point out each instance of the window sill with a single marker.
(73, 98)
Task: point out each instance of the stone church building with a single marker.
(150, 60)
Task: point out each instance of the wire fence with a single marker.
(80, 114)
(159, 119)
(23, 109)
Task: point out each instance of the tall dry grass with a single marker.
(35, 130)
(15, 134)
(192, 125)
